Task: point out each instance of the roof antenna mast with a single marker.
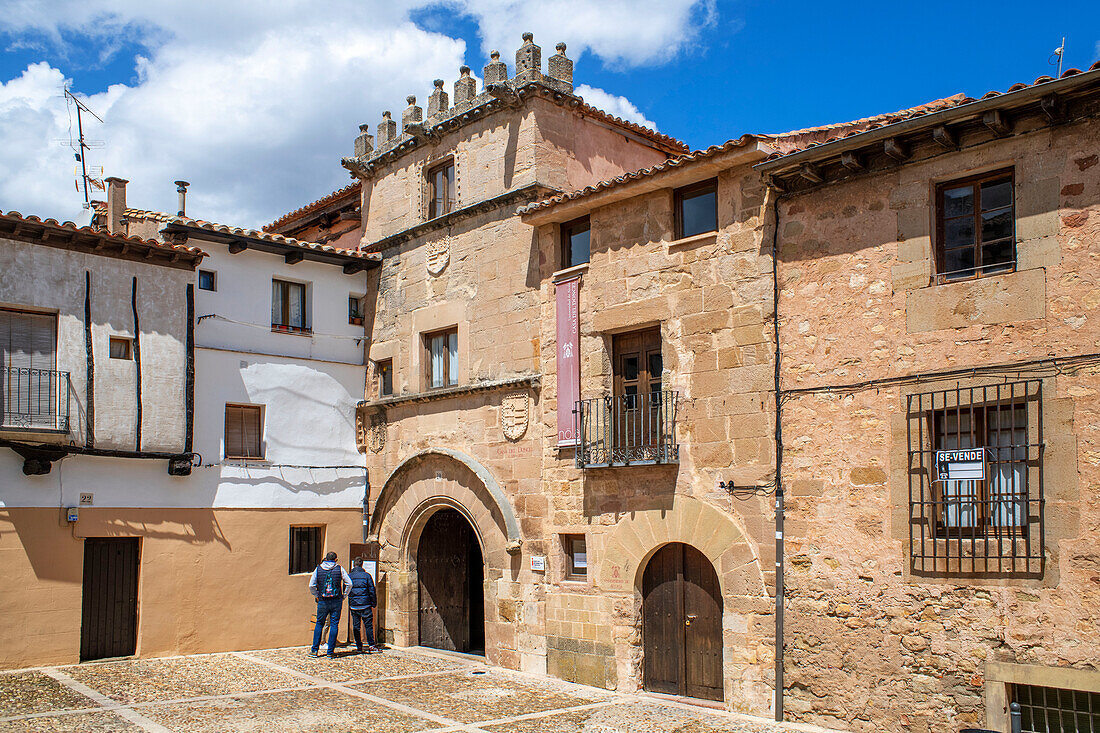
(84, 144)
(1059, 52)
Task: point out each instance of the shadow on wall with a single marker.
(309, 485)
(44, 535)
(629, 489)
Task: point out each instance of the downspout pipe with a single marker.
(775, 196)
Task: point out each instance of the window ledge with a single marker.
(704, 238)
(291, 330)
(443, 393)
(569, 272)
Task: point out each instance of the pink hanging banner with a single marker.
(567, 296)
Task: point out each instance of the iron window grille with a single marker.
(1055, 710)
(305, 549)
(627, 429)
(34, 399)
(990, 524)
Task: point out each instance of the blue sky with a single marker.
(255, 105)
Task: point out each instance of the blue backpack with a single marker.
(330, 583)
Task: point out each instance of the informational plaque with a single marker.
(569, 366)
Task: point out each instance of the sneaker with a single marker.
(314, 653)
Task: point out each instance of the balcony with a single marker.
(34, 399)
(627, 430)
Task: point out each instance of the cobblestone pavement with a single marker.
(398, 691)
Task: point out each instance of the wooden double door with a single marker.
(682, 624)
(450, 574)
(108, 626)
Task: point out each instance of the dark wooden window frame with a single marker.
(569, 547)
(449, 380)
(302, 558)
(687, 192)
(258, 411)
(127, 345)
(284, 325)
(447, 201)
(384, 370)
(213, 280)
(568, 229)
(355, 310)
(941, 252)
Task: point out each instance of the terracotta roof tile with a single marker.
(653, 170)
(314, 206)
(799, 140)
(16, 217)
(238, 231)
(659, 137)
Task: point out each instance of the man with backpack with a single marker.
(329, 583)
(361, 603)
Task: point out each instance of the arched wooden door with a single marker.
(451, 595)
(682, 624)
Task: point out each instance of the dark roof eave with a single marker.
(262, 245)
(1008, 100)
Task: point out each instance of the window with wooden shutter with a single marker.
(32, 393)
(243, 431)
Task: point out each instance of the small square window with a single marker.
(696, 209)
(306, 544)
(121, 348)
(207, 280)
(384, 370)
(244, 431)
(441, 358)
(576, 242)
(355, 310)
(576, 556)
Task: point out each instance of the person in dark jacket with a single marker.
(361, 602)
(328, 584)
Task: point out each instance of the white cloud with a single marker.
(615, 104)
(255, 103)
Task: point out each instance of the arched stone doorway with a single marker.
(682, 624)
(451, 576)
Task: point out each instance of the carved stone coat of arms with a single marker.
(439, 255)
(515, 413)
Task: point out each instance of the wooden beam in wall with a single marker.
(811, 173)
(895, 149)
(237, 247)
(943, 137)
(851, 161)
(293, 258)
(997, 122)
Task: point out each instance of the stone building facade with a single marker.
(920, 601)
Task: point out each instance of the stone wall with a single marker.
(870, 644)
(710, 295)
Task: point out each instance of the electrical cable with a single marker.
(262, 327)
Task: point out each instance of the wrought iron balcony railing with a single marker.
(34, 399)
(627, 430)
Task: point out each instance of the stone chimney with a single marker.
(496, 71)
(181, 190)
(465, 87)
(116, 204)
(412, 113)
(364, 143)
(528, 60)
(439, 102)
(560, 68)
(387, 130)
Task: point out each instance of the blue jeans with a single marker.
(327, 608)
(366, 617)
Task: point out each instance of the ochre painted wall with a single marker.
(210, 580)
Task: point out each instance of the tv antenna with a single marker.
(1059, 52)
(84, 145)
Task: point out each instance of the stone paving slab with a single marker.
(74, 723)
(317, 710)
(142, 680)
(23, 693)
(347, 667)
(468, 696)
(633, 717)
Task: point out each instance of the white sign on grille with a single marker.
(961, 465)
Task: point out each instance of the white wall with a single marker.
(244, 294)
